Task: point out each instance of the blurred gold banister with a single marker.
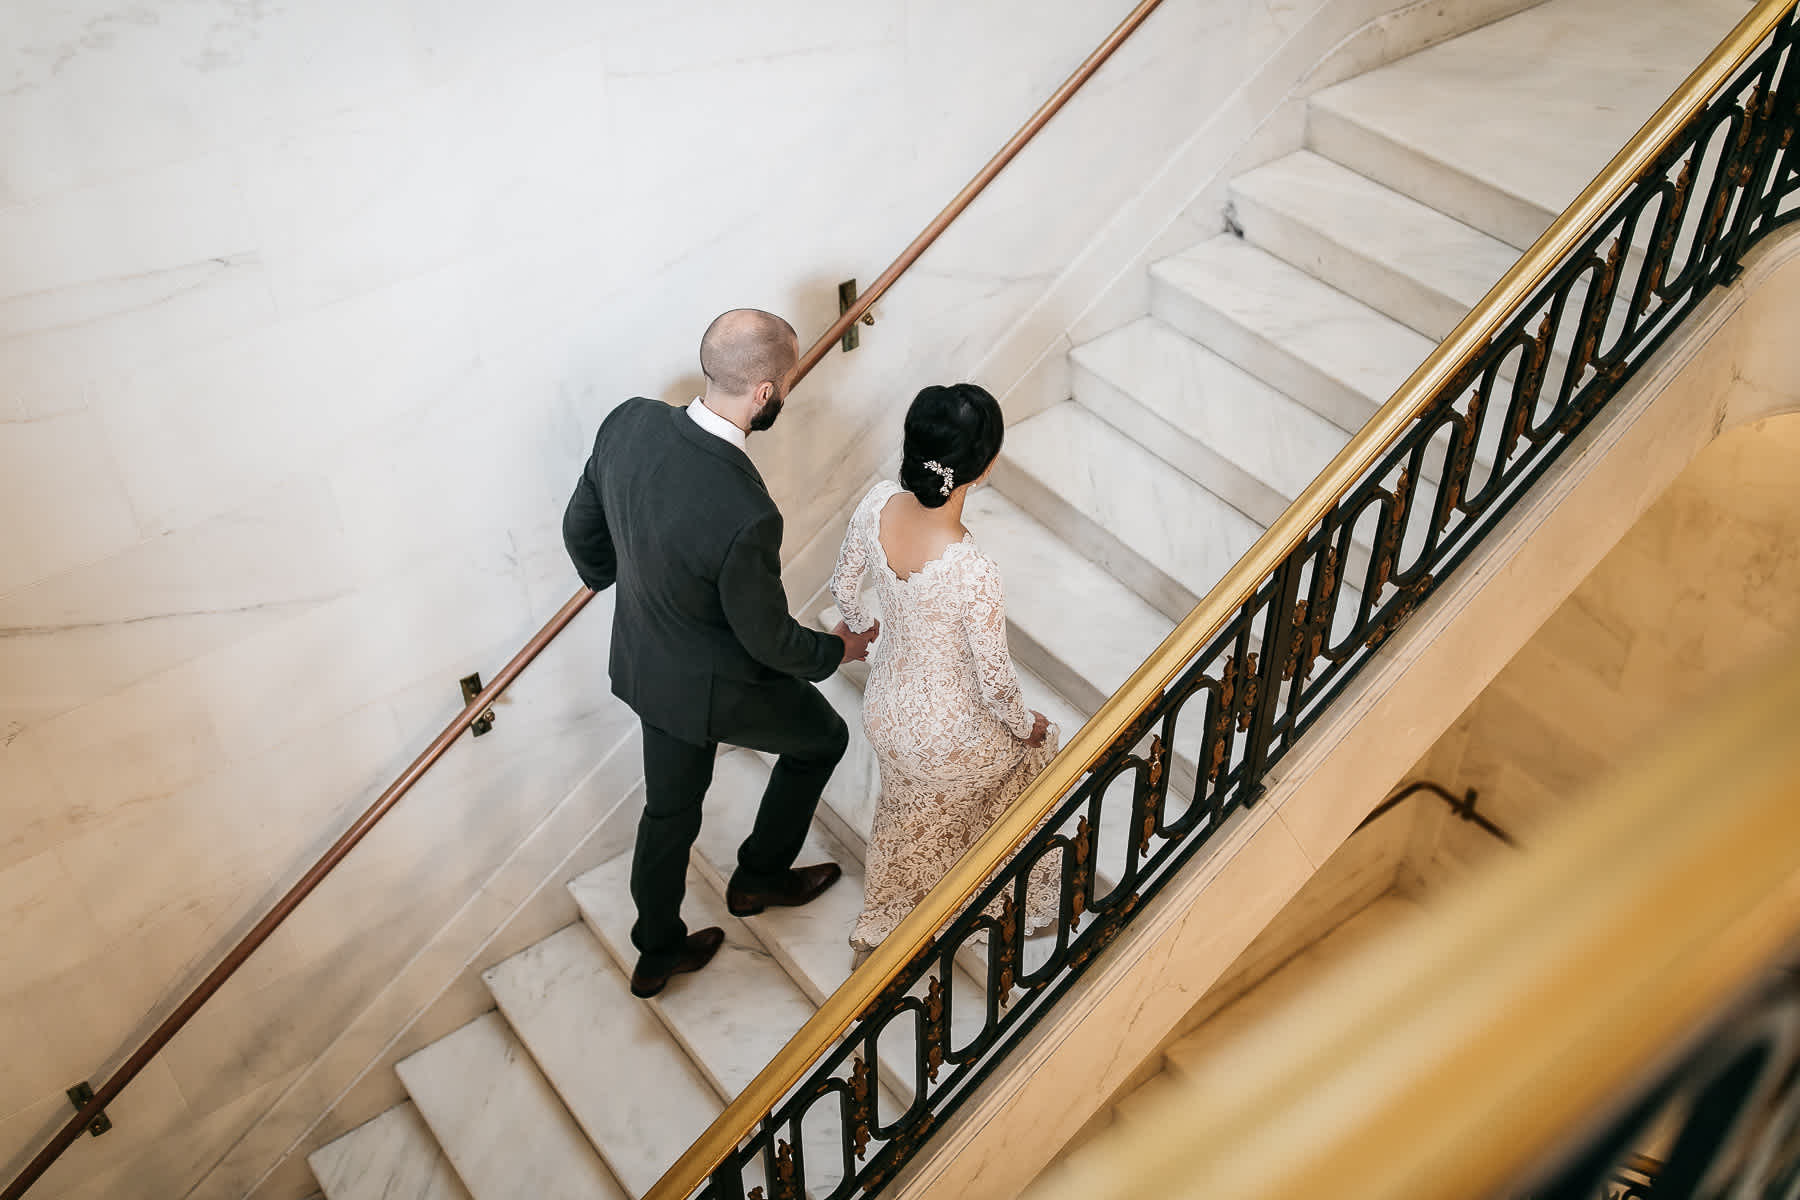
(1220, 605)
(1476, 1048)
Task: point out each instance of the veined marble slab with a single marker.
(810, 942)
(393, 1157)
(710, 1012)
(1393, 253)
(499, 1120)
(1071, 623)
(1143, 508)
(1206, 416)
(1330, 352)
(570, 1005)
(1502, 127)
(732, 1016)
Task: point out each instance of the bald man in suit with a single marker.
(671, 510)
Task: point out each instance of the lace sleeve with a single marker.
(853, 561)
(984, 619)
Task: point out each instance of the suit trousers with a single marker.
(788, 718)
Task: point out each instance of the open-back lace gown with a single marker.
(944, 714)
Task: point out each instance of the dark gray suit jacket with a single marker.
(682, 522)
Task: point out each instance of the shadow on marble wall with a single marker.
(1704, 586)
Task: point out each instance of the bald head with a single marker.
(747, 347)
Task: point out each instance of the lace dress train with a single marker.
(944, 714)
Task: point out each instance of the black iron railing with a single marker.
(1199, 751)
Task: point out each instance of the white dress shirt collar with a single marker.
(714, 424)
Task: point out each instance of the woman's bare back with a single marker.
(912, 536)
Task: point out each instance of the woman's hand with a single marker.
(1040, 728)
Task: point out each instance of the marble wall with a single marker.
(1705, 585)
(307, 315)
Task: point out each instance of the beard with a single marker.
(765, 416)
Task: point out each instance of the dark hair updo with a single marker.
(959, 427)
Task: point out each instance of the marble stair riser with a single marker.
(1392, 253)
(1091, 539)
(1200, 304)
(1202, 311)
(570, 1005)
(1069, 622)
(392, 1157)
(1174, 445)
(1139, 504)
(1478, 200)
(1444, 317)
(729, 1039)
(810, 943)
(1412, 172)
(499, 1121)
(1219, 474)
(1358, 258)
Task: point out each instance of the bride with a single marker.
(953, 739)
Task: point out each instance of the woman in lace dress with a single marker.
(953, 739)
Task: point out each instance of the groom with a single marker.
(704, 650)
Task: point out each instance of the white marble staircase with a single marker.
(1188, 431)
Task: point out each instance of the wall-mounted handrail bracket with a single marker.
(846, 299)
(79, 1095)
(471, 688)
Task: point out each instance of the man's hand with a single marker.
(856, 645)
(1040, 729)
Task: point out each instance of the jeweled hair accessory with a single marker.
(932, 464)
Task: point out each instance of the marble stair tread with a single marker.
(1393, 253)
(1327, 350)
(1503, 126)
(571, 1006)
(734, 1015)
(1139, 510)
(1305, 970)
(498, 1119)
(811, 942)
(710, 1011)
(1245, 441)
(1072, 624)
(392, 1157)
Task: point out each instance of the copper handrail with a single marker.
(184, 1012)
(975, 186)
(235, 958)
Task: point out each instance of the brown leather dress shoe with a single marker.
(803, 885)
(700, 948)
